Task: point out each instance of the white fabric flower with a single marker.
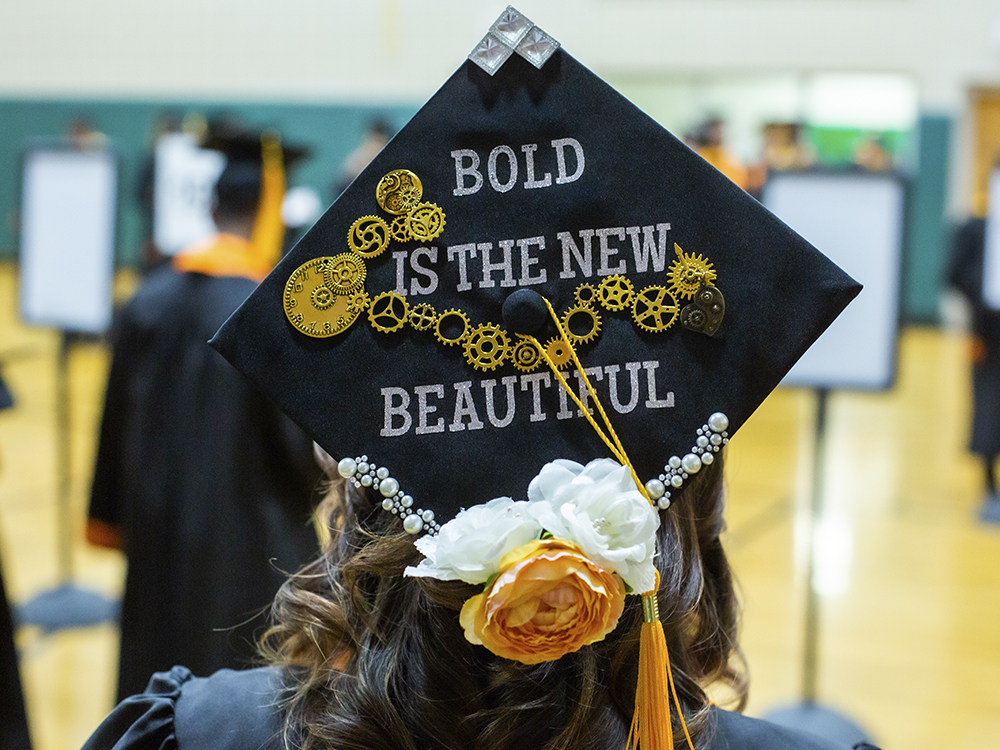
(599, 508)
(469, 547)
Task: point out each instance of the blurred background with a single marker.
(897, 566)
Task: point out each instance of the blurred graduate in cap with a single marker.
(199, 479)
(524, 335)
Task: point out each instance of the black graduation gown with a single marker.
(209, 485)
(13, 720)
(239, 710)
(966, 274)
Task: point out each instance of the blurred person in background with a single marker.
(872, 154)
(167, 122)
(709, 145)
(965, 274)
(783, 149)
(203, 484)
(377, 134)
(13, 720)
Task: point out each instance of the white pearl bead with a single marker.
(363, 467)
(702, 441)
(388, 486)
(674, 462)
(407, 501)
(718, 421)
(676, 481)
(366, 480)
(382, 472)
(427, 515)
(655, 488)
(691, 463)
(707, 458)
(347, 467)
(663, 503)
(716, 439)
(387, 504)
(412, 524)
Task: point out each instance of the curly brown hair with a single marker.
(376, 660)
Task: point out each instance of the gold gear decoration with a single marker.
(525, 354)
(654, 308)
(358, 302)
(345, 273)
(311, 306)
(368, 236)
(425, 222)
(388, 312)
(615, 293)
(322, 297)
(486, 346)
(558, 351)
(585, 294)
(423, 317)
(689, 273)
(573, 316)
(451, 315)
(398, 229)
(399, 191)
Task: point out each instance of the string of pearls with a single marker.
(366, 474)
(711, 437)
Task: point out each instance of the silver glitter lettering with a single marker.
(491, 165)
(400, 258)
(560, 144)
(506, 265)
(529, 150)
(465, 408)
(462, 252)
(649, 249)
(416, 287)
(491, 413)
(461, 172)
(425, 409)
(395, 410)
(584, 259)
(653, 402)
(534, 381)
(528, 260)
(564, 411)
(633, 370)
(606, 251)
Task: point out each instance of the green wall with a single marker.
(332, 131)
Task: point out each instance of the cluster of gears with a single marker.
(324, 296)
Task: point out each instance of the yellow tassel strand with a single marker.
(268, 228)
(651, 728)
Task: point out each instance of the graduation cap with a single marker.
(533, 274)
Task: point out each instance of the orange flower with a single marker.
(548, 600)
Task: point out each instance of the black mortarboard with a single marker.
(391, 331)
(240, 144)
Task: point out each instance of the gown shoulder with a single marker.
(231, 710)
(734, 731)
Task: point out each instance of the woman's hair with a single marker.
(376, 660)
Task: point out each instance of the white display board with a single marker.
(855, 219)
(182, 192)
(69, 201)
(991, 256)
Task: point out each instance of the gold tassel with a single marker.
(268, 228)
(651, 728)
